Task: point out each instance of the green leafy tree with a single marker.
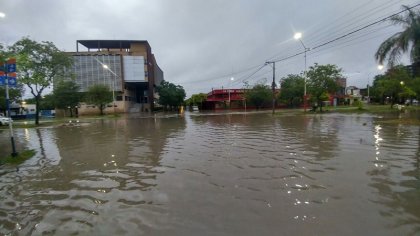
(99, 95)
(170, 95)
(66, 94)
(394, 85)
(322, 81)
(292, 88)
(38, 65)
(414, 84)
(407, 40)
(196, 100)
(259, 95)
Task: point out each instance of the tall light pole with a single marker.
(380, 68)
(298, 36)
(231, 79)
(273, 84)
(113, 86)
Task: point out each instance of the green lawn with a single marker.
(19, 159)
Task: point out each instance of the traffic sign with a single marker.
(11, 68)
(12, 81)
(2, 80)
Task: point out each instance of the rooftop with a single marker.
(114, 44)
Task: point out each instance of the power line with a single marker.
(347, 34)
(318, 47)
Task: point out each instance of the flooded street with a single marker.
(216, 174)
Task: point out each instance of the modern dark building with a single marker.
(128, 67)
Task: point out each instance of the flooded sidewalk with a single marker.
(215, 174)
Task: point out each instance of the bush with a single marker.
(358, 104)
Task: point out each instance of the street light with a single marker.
(298, 36)
(105, 66)
(2, 15)
(231, 79)
(273, 84)
(379, 67)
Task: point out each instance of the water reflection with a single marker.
(88, 178)
(396, 176)
(222, 174)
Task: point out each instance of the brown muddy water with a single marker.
(216, 174)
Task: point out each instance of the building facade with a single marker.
(128, 67)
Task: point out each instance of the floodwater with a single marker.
(216, 174)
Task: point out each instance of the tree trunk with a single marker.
(37, 110)
(320, 106)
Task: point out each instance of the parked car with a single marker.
(4, 120)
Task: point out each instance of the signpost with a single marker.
(8, 78)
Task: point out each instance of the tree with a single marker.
(415, 86)
(38, 65)
(66, 94)
(170, 95)
(99, 95)
(322, 81)
(396, 84)
(407, 40)
(292, 88)
(259, 95)
(196, 100)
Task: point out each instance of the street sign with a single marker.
(12, 81)
(11, 65)
(11, 68)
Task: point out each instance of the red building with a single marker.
(225, 98)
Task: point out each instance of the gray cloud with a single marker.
(201, 44)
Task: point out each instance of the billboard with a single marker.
(134, 69)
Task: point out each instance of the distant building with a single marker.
(128, 67)
(353, 94)
(225, 98)
(220, 99)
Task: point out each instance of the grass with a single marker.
(19, 159)
(370, 109)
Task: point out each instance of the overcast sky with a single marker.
(201, 44)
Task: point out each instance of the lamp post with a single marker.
(380, 68)
(273, 84)
(298, 36)
(231, 79)
(113, 86)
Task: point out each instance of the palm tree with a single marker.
(404, 41)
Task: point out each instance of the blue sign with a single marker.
(11, 68)
(12, 81)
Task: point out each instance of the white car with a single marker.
(5, 120)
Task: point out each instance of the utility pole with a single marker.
(273, 84)
(10, 67)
